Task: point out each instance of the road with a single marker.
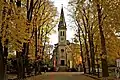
(61, 76)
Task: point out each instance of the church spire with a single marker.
(62, 14)
(62, 23)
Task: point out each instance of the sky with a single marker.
(58, 4)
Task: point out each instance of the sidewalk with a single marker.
(14, 76)
(95, 77)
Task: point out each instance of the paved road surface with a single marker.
(61, 76)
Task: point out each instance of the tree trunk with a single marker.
(44, 43)
(20, 55)
(41, 39)
(36, 67)
(2, 60)
(20, 66)
(5, 57)
(92, 54)
(36, 42)
(26, 45)
(86, 45)
(83, 61)
(91, 44)
(2, 66)
(103, 46)
(88, 57)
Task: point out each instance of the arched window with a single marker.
(63, 33)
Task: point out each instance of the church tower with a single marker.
(62, 40)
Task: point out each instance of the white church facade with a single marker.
(63, 54)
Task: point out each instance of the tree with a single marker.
(10, 29)
(2, 74)
(16, 29)
(81, 49)
(103, 46)
(108, 23)
(85, 19)
(45, 21)
(100, 18)
(44, 14)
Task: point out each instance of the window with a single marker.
(62, 50)
(63, 33)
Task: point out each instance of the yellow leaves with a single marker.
(1, 5)
(32, 47)
(14, 27)
(77, 58)
(45, 11)
(74, 53)
(110, 20)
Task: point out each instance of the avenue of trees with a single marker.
(25, 26)
(97, 30)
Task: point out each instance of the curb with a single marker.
(92, 76)
(95, 77)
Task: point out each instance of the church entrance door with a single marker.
(62, 62)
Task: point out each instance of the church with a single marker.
(63, 56)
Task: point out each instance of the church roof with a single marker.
(62, 23)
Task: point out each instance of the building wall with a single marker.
(62, 54)
(61, 46)
(71, 54)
